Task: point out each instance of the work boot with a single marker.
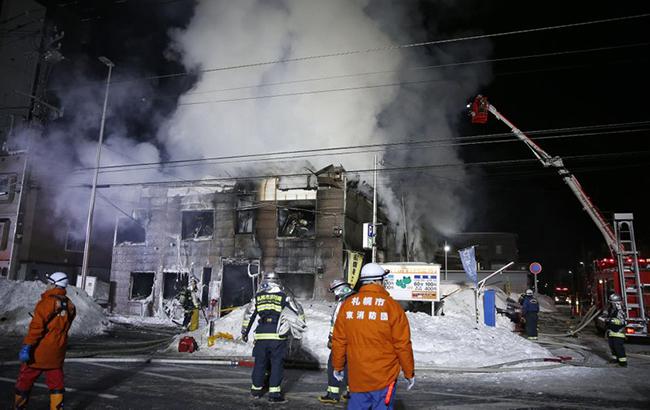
(329, 398)
(21, 399)
(613, 359)
(277, 398)
(622, 363)
(256, 394)
(56, 399)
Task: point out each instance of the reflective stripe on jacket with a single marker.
(268, 305)
(372, 334)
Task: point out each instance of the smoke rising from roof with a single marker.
(225, 33)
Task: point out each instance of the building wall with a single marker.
(306, 263)
(19, 56)
(165, 251)
(12, 167)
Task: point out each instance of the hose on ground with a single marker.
(592, 313)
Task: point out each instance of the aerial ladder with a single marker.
(619, 239)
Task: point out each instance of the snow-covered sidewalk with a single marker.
(453, 340)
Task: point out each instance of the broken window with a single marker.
(173, 282)
(5, 224)
(300, 284)
(297, 220)
(198, 224)
(245, 217)
(131, 230)
(7, 187)
(141, 285)
(75, 238)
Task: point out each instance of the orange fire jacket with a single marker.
(49, 339)
(372, 333)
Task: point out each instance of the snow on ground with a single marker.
(20, 298)
(142, 321)
(546, 303)
(453, 340)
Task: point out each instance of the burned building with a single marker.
(300, 227)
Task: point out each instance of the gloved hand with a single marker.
(410, 382)
(244, 337)
(338, 375)
(25, 353)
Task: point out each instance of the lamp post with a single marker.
(91, 208)
(447, 248)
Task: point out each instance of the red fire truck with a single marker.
(620, 274)
(606, 281)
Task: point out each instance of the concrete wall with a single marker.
(165, 251)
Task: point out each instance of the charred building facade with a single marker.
(299, 227)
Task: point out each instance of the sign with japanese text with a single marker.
(413, 281)
(468, 259)
(354, 263)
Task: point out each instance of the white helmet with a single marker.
(58, 279)
(614, 298)
(371, 272)
(529, 292)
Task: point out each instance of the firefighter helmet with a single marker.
(371, 272)
(270, 281)
(529, 292)
(614, 298)
(340, 288)
(58, 279)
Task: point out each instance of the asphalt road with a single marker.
(153, 386)
(101, 385)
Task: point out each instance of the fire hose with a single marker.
(592, 313)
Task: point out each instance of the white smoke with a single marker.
(208, 123)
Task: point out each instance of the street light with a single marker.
(91, 208)
(447, 248)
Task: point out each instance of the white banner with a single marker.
(413, 281)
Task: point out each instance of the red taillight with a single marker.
(630, 331)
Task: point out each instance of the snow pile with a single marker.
(20, 298)
(546, 303)
(453, 340)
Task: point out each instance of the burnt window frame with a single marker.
(72, 228)
(131, 281)
(292, 205)
(12, 180)
(200, 238)
(245, 205)
(184, 278)
(4, 233)
(141, 217)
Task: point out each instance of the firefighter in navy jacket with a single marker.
(270, 339)
(529, 311)
(616, 330)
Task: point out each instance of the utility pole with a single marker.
(93, 192)
(374, 213)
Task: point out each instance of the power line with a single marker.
(510, 163)
(385, 48)
(427, 145)
(412, 45)
(370, 146)
(427, 67)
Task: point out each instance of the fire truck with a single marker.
(619, 274)
(606, 281)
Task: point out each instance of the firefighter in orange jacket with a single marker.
(372, 334)
(44, 346)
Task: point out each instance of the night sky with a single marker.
(605, 87)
